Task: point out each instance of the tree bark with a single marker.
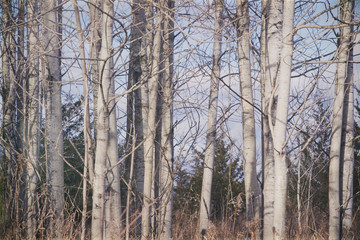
(103, 133)
(348, 162)
(32, 143)
(252, 188)
(279, 133)
(341, 157)
(271, 25)
(205, 200)
(53, 125)
(95, 7)
(166, 147)
(149, 144)
(113, 225)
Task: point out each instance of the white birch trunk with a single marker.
(348, 129)
(271, 24)
(32, 143)
(279, 134)
(113, 219)
(341, 155)
(113, 197)
(205, 200)
(334, 166)
(146, 63)
(341, 148)
(95, 7)
(252, 188)
(54, 134)
(149, 144)
(348, 162)
(105, 90)
(166, 149)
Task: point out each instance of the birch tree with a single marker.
(149, 143)
(32, 100)
(205, 199)
(113, 225)
(95, 7)
(166, 146)
(271, 25)
(53, 123)
(277, 38)
(348, 145)
(252, 188)
(105, 148)
(341, 155)
(282, 93)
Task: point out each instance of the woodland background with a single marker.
(188, 119)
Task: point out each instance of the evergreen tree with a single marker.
(227, 182)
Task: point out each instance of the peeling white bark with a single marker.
(271, 25)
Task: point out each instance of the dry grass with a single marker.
(185, 224)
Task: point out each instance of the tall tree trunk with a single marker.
(341, 157)
(279, 133)
(95, 7)
(103, 135)
(348, 145)
(113, 197)
(271, 25)
(166, 147)
(205, 200)
(252, 188)
(270, 58)
(149, 144)
(53, 128)
(32, 143)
